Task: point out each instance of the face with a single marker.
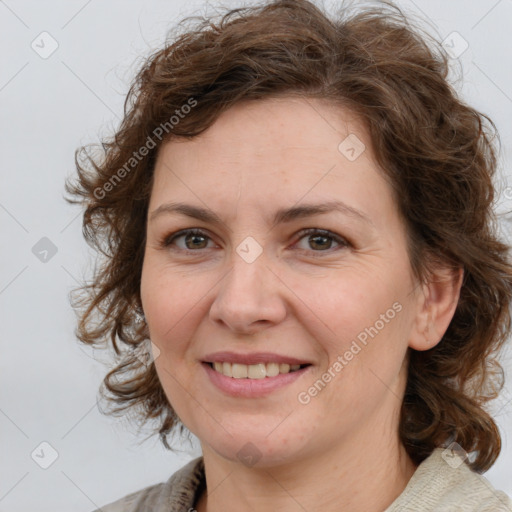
(270, 278)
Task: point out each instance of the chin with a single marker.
(257, 447)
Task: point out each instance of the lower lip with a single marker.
(252, 388)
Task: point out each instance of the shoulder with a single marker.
(444, 483)
(177, 494)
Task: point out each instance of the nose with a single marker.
(250, 297)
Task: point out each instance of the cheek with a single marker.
(363, 335)
(170, 300)
(351, 309)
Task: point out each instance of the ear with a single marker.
(437, 302)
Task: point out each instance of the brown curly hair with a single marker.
(438, 154)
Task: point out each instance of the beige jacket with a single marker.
(438, 485)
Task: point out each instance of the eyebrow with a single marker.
(283, 215)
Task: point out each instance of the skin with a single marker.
(303, 296)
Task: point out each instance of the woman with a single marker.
(296, 218)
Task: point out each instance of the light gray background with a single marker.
(48, 107)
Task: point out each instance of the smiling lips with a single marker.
(253, 379)
(253, 366)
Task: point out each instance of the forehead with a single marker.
(274, 128)
(275, 151)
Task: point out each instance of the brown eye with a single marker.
(318, 240)
(321, 240)
(193, 240)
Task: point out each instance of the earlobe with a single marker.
(436, 308)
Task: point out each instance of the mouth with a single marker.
(257, 377)
(254, 371)
(253, 375)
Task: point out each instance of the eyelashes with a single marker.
(170, 240)
(316, 236)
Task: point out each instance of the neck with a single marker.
(346, 477)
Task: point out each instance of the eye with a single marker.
(321, 239)
(194, 239)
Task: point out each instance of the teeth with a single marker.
(226, 369)
(257, 371)
(253, 371)
(240, 371)
(272, 369)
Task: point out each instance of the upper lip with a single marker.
(253, 358)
